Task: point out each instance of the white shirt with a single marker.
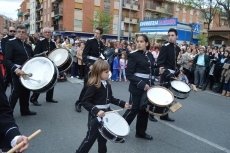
(123, 63)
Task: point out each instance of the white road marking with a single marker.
(197, 137)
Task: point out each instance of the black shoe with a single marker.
(52, 101)
(146, 136)
(35, 102)
(77, 108)
(28, 113)
(167, 119)
(152, 118)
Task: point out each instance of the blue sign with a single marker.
(196, 28)
(160, 22)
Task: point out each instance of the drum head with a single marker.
(160, 96)
(59, 56)
(116, 124)
(180, 86)
(42, 70)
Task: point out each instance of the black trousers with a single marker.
(7, 79)
(49, 95)
(86, 77)
(82, 70)
(18, 91)
(91, 136)
(142, 115)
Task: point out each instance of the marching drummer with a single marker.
(168, 59)
(92, 51)
(18, 52)
(140, 71)
(44, 44)
(96, 100)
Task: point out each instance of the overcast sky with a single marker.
(9, 7)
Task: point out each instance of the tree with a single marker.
(202, 40)
(208, 8)
(102, 19)
(225, 4)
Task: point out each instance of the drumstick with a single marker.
(113, 111)
(21, 143)
(29, 74)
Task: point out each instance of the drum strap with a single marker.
(92, 58)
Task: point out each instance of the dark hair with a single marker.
(100, 29)
(21, 27)
(173, 30)
(228, 53)
(31, 39)
(146, 39)
(111, 44)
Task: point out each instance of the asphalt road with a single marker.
(201, 126)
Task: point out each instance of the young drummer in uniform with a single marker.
(97, 101)
(139, 72)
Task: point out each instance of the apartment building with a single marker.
(24, 14)
(5, 22)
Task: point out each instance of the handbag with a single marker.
(226, 66)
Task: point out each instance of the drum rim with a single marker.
(177, 89)
(162, 88)
(65, 63)
(23, 81)
(65, 60)
(113, 132)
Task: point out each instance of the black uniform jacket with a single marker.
(140, 62)
(3, 42)
(17, 53)
(167, 57)
(8, 128)
(44, 45)
(99, 96)
(92, 48)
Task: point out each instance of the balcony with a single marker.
(79, 1)
(20, 14)
(155, 9)
(133, 8)
(27, 22)
(130, 20)
(38, 18)
(27, 13)
(58, 12)
(58, 27)
(127, 34)
(56, 1)
(38, 7)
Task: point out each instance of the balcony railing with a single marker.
(58, 11)
(38, 6)
(149, 6)
(58, 27)
(38, 18)
(27, 22)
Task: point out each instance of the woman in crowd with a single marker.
(74, 66)
(109, 53)
(225, 75)
(81, 65)
(57, 42)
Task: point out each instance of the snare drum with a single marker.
(44, 74)
(114, 127)
(61, 58)
(180, 89)
(161, 99)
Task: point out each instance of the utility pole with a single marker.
(119, 21)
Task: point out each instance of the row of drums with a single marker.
(42, 72)
(115, 128)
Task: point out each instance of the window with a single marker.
(177, 8)
(184, 10)
(78, 23)
(184, 20)
(191, 12)
(197, 13)
(115, 27)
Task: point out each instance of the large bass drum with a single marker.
(43, 72)
(61, 58)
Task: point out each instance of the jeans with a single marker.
(74, 69)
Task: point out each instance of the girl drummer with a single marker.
(139, 72)
(97, 101)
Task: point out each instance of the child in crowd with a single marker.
(115, 68)
(123, 65)
(182, 76)
(97, 101)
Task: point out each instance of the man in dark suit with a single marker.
(10, 35)
(92, 51)
(9, 132)
(17, 53)
(44, 44)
